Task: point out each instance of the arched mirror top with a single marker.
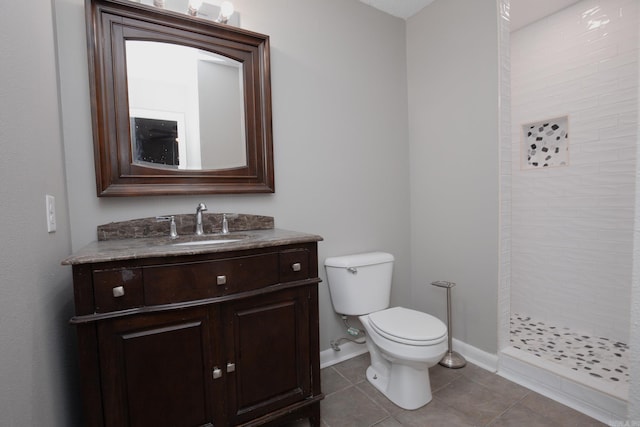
(180, 105)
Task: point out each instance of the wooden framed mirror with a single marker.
(180, 104)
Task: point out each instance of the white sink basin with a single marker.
(206, 242)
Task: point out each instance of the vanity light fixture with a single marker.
(226, 10)
(194, 5)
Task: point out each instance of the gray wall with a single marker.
(38, 377)
(453, 126)
(340, 133)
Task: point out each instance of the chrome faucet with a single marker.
(201, 207)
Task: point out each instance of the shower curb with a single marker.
(523, 368)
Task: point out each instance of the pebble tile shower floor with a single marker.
(599, 357)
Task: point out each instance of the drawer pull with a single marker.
(221, 280)
(217, 373)
(231, 367)
(118, 291)
(296, 266)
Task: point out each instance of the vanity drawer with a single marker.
(117, 289)
(172, 283)
(294, 265)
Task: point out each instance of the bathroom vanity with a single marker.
(213, 330)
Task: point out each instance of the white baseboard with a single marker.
(347, 351)
(476, 356)
(563, 385)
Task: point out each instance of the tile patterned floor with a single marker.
(470, 396)
(600, 357)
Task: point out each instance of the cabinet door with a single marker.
(268, 353)
(156, 369)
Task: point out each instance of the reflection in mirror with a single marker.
(186, 107)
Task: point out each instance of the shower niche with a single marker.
(545, 143)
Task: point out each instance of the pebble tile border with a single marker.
(600, 357)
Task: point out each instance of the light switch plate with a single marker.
(51, 213)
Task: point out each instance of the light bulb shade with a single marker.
(226, 10)
(195, 4)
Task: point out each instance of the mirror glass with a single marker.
(186, 107)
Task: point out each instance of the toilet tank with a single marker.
(360, 284)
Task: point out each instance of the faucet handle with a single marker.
(201, 207)
(225, 224)
(173, 233)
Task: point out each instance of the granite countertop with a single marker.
(157, 247)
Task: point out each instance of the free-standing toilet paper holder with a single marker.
(451, 359)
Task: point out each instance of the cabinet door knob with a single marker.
(231, 367)
(118, 291)
(217, 373)
(296, 266)
(221, 280)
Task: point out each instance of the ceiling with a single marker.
(523, 12)
(400, 8)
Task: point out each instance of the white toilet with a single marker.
(403, 343)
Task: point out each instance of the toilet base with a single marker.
(407, 387)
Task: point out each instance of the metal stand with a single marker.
(451, 359)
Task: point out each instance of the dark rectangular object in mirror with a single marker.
(155, 141)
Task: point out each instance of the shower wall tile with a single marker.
(572, 226)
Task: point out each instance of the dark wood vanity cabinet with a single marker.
(218, 339)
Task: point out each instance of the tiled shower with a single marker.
(574, 132)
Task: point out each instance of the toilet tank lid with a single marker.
(359, 260)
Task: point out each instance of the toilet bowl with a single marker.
(403, 343)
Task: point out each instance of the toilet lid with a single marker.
(408, 326)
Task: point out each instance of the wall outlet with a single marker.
(51, 213)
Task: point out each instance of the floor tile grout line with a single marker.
(457, 377)
(350, 383)
(469, 378)
(509, 408)
(357, 381)
(375, 403)
(454, 409)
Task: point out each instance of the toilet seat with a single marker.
(406, 326)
